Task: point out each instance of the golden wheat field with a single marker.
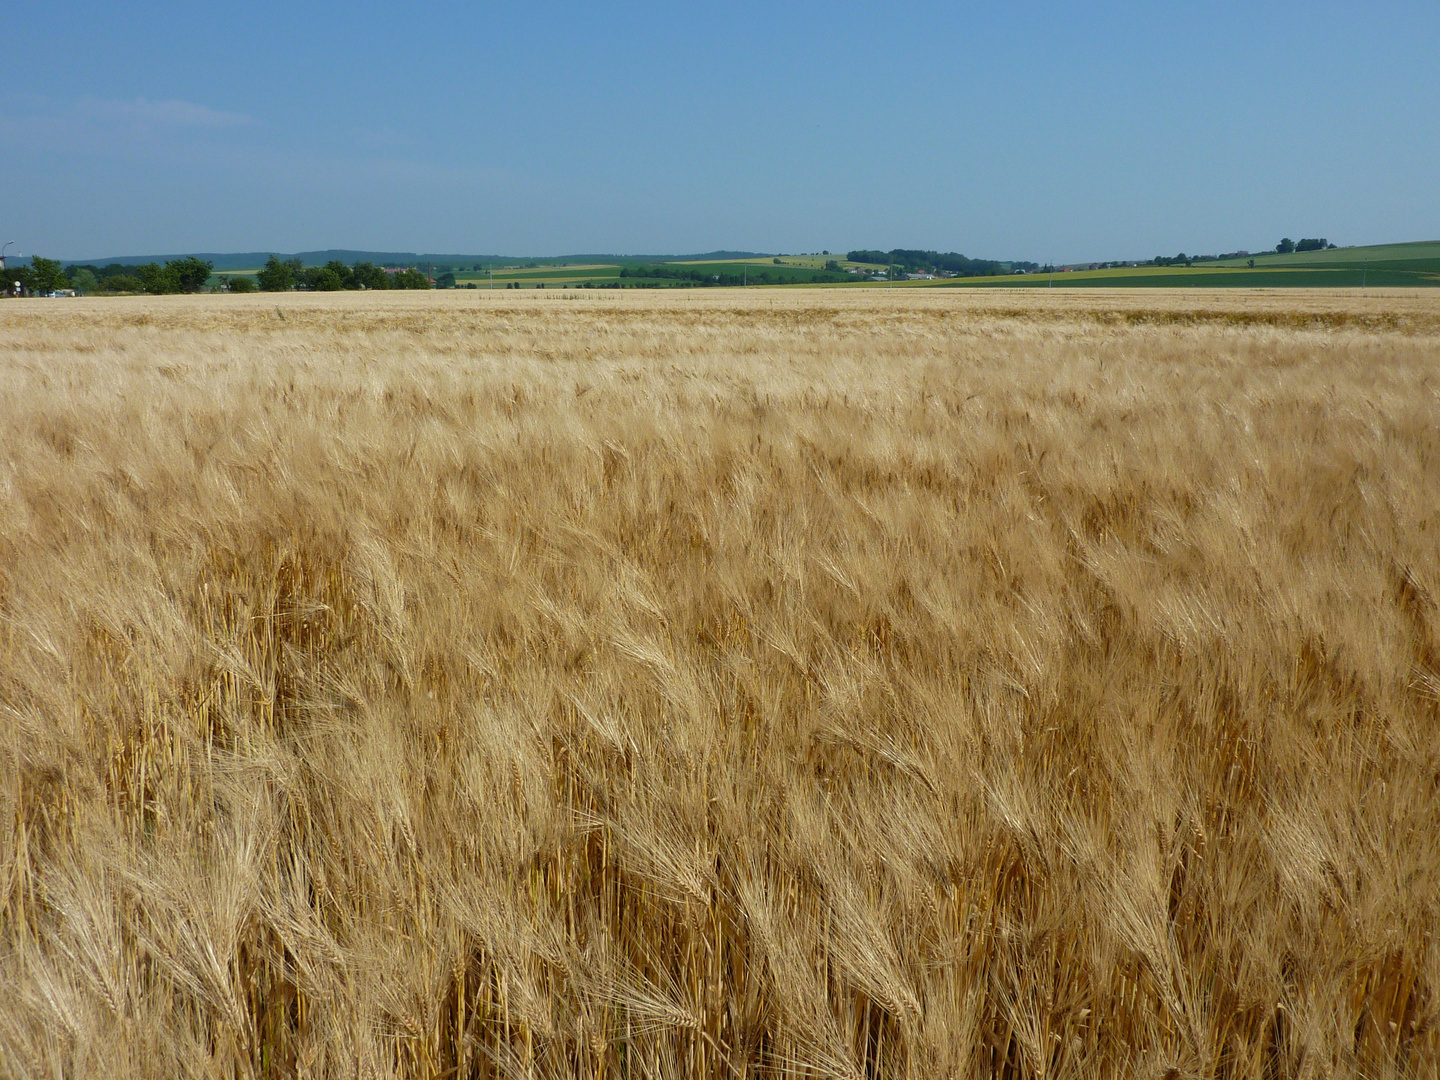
(754, 685)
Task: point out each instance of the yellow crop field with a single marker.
(719, 684)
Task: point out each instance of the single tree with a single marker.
(1286, 246)
(276, 276)
(190, 273)
(43, 276)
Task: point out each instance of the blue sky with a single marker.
(1042, 131)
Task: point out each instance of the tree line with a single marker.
(1284, 247)
(191, 275)
(913, 261)
(44, 276)
(335, 276)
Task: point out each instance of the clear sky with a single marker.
(1062, 131)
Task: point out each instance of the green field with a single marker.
(1382, 265)
(560, 275)
(1385, 265)
(1166, 277)
(792, 270)
(1425, 251)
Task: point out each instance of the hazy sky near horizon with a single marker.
(1047, 131)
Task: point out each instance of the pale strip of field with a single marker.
(513, 268)
(721, 683)
(1411, 308)
(808, 262)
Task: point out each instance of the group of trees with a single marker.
(1284, 247)
(114, 278)
(899, 261)
(45, 276)
(40, 277)
(1310, 243)
(334, 276)
(190, 275)
(187, 275)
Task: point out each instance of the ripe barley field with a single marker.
(824, 684)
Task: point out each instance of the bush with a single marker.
(244, 283)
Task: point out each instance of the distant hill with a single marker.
(1421, 251)
(248, 260)
(1414, 264)
(1406, 266)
